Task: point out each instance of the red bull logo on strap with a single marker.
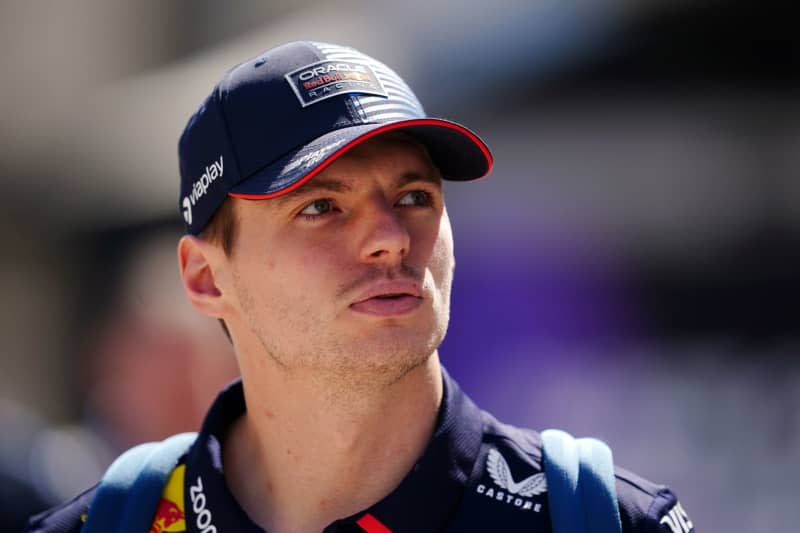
(171, 516)
(168, 513)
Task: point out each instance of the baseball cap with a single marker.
(273, 122)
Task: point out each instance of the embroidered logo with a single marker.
(513, 492)
(200, 188)
(324, 79)
(501, 474)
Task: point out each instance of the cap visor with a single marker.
(459, 154)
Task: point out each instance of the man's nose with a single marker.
(386, 238)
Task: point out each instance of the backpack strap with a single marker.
(130, 491)
(580, 481)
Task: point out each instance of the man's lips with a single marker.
(389, 288)
(389, 298)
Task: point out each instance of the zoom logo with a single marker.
(203, 518)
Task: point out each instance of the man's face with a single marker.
(352, 271)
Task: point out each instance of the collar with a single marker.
(425, 500)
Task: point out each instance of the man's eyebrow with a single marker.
(316, 184)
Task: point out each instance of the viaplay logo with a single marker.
(200, 188)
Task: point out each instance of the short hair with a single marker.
(221, 230)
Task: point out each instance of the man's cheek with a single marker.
(442, 259)
(323, 256)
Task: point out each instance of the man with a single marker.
(318, 235)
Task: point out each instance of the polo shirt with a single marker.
(476, 475)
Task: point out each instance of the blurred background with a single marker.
(631, 270)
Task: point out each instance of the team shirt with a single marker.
(476, 475)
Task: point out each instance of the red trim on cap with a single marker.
(370, 524)
(358, 140)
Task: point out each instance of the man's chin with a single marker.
(387, 354)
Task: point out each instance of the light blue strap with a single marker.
(598, 487)
(130, 491)
(561, 466)
(580, 482)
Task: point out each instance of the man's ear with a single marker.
(199, 263)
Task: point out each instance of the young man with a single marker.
(311, 188)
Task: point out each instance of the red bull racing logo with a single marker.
(168, 513)
(171, 516)
(319, 81)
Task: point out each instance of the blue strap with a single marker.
(129, 493)
(581, 486)
(598, 486)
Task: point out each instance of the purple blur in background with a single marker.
(629, 271)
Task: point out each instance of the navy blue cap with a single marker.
(275, 121)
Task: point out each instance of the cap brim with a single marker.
(458, 153)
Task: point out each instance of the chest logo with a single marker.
(511, 492)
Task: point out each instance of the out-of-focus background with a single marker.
(631, 270)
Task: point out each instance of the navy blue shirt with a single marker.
(469, 479)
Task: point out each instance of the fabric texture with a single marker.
(476, 475)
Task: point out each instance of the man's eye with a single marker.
(318, 207)
(418, 198)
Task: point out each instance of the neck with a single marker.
(310, 450)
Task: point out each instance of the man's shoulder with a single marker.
(70, 516)
(648, 506)
(512, 457)
(65, 518)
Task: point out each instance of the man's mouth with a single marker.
(389, 298)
